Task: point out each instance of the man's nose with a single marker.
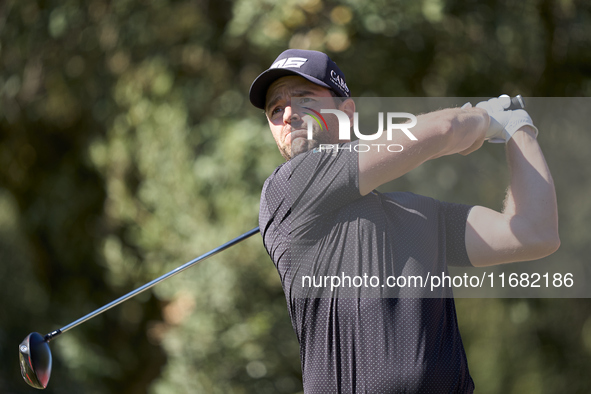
(290, 115)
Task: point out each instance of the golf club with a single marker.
(34, 353)
(517, 102)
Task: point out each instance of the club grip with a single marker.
(517, 102)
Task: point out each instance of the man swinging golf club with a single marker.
(321, 217)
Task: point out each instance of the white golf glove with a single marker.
(503, 122)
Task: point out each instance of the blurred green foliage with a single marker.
(128, 146)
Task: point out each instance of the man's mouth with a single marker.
(298, 133)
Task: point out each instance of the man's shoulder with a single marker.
(300, 166)
(279, 173)
(317, 158)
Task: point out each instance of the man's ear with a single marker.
(348, 107)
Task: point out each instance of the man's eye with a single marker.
(275, 111)
(304, 100)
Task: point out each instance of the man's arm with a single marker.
(438, 133)
(527, 229)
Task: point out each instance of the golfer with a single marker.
(321, 217)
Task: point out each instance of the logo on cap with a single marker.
(295, 62)
(339, 81)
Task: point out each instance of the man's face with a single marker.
(285, 99)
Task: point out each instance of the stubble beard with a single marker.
(303, 145)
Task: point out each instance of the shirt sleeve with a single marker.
(311, 185)
(456, 217)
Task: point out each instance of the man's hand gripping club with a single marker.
(506, 117)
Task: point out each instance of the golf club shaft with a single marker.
(145, 287)
(517, 102)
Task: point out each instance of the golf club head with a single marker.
(35, 360)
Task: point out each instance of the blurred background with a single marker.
(128, 147)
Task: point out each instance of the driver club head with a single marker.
(35, 360)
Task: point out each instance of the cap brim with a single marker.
(258, 89)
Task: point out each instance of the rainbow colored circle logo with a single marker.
(316, 115)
